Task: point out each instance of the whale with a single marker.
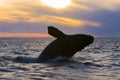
(64, 46)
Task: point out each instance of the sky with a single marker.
(30, 18)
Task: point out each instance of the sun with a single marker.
(57, 3)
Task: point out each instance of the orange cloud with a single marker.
(23, 11)
(56, 20)
(62, 20)
(23, 35)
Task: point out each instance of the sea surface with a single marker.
(99, 61)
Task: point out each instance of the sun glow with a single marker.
(57, 3)
(2, 2)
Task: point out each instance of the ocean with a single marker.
(99, 61)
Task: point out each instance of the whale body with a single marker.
(64, 45)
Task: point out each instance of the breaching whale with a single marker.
(64, 45)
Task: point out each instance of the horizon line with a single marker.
(2, 34)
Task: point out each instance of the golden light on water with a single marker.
(57, 3)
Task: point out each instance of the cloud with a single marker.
(99, 17)
(62, 20)
(12, 14)
(95, 5)
(110, 24)
(23, 35)
(18, 11)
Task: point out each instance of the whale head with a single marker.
(81, 39)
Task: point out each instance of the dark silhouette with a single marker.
(64, 46)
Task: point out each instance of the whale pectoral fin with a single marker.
(55, 32)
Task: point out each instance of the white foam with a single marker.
(59, 58)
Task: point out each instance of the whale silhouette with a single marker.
(64, 46)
